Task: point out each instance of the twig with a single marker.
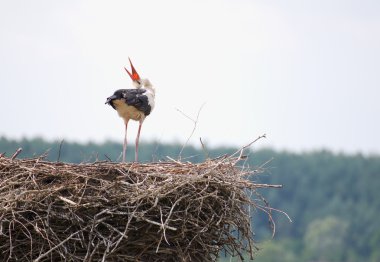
(18, 151)
(109, 159)
(175, 161)
(204, 149)
(280, 211)
(267, 186)
(195, 121)
(159, 224)
(67, 200)
(59, 150)
(241, 150)
(54, 248)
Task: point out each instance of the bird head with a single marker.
(137, 82)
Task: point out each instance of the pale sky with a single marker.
(306, 73)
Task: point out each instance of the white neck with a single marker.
(148, 85)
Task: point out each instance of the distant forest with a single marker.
(333, 199)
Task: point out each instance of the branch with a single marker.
(241, 150)
(18, 151)
(195, 126)
(207, 154)
(54, 248)
(59, 151)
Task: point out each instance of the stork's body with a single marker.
(135, 104)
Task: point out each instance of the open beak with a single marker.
(134, 75)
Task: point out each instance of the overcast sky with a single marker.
(306, 73)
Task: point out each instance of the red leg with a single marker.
(125, 141)
(137, 143)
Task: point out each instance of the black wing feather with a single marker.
(136, 98)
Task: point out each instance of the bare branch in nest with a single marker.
(59, 150)
(109, 159)
(104, 211)
(195, 121)
(204, 149)
(241, 150)
(18, 151)
(54, 248)
(67, 200)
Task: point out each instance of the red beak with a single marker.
(135, 76)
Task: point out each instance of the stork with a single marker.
(135, 104)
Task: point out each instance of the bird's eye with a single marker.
(138, 82)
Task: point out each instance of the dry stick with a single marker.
(158, 224)
(250, 225)
(265, 163)
(90, 242)
(67, 200)
(164, 231)
(278, 210)
(175, 161)
(204, 149)
(124, 234)
(246, 146)
(267, 185)
(18, 151)
(59, 150)
(192, 132)
(108, 157)
(57, 246)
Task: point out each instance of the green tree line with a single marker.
(333, 199)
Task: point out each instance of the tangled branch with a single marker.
(103, 211)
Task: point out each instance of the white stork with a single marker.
(134, 104)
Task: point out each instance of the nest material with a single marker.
(103, 211)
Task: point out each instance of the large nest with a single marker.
(103, 211)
